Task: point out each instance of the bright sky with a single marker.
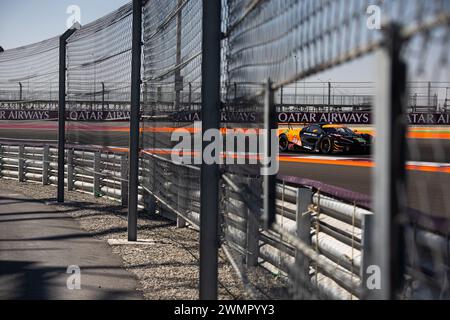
(24, 22)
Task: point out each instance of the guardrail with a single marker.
(331, 227)
(332, 222)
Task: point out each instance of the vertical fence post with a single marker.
(252, 230)
(21, 164)
(1, 158)
(124, 179)
(329, 96)
(209, 181)
(62, 109)
(281, 97)
(97, 164)
(103, 97)
(386, 247)
(178, 78)
(304, 225)
(20, 91)
(182, 203)
(45, 164)
(367, 229)
(70, 169)
(134, 121)
(269, 188)
(190, 96)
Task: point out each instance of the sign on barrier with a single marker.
(359, 118)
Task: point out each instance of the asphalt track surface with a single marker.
(428, 159)
(39, 243)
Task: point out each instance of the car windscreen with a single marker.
(340, 131)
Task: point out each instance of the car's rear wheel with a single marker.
(326, 146)
(284, 143)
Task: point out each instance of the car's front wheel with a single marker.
(326, 146)
(284, 143)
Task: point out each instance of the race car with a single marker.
(324, 138)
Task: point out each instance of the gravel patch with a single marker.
(166, 269)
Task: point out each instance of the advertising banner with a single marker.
(351, 118)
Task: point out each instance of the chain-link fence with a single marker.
(330, 236)
(289, 41)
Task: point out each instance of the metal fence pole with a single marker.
(178, 78)
(62, 109)
(134, 121)
(70, 169)
(21, 164)
(389, 174)
(367, 230)
(182, 202)
(21, 91)
(1, 158)
(270, 181)
(281, 96)
(45, 164)
(97, 165)
(304, 225)
(103, 97)
(124, 179)
(329, 96)
(209, 186)
(252, 235)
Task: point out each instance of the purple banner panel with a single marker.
(429, 118)
(325, 117)
(350, 118)
(70, 115)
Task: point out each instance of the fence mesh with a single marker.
(171, 91)
(98, 80)
(316, 249)
(288, 41)
(427, 223)
(31, 72)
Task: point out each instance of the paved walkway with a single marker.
(38, 244)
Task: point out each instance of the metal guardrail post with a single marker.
(270, 181)
(1, 159)
(190, 95)
(178, 77)
(21, 91)
(97, 164)
(103, 97)
(304, 225)
(367, 229)
(386, 247)
(21, 164)
(182, 203)
(124, 179)
(209, 180)
(133, 159)
(62, 110)
(70, 170)
(252, 249)
(45, 164)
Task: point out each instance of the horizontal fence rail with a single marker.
(103, 173)
(329, 220)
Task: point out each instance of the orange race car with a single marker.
(324, 138)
